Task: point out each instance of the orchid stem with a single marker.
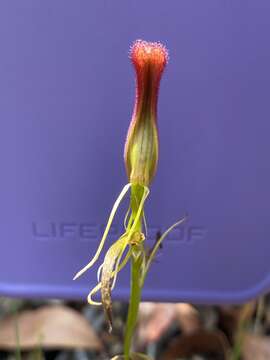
(135, 298)
(138, 196)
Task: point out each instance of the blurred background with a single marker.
(63, 330)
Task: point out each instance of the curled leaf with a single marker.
(106, 231)
(111, 258)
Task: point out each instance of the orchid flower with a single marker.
(141, 157)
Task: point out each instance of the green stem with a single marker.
(137, 195)
(135, 298)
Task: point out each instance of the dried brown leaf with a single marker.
(155, 319)
(256, 347)
(188, 318)
(54, 326)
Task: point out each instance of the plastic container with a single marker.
(66, 99)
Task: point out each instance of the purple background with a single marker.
(66, 98)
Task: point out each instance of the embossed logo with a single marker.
(53, 231)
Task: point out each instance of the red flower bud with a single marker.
(141, 148)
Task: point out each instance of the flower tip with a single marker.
(143, 52)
